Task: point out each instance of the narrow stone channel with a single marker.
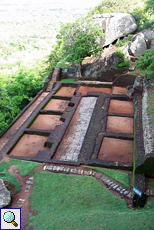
(71, 144)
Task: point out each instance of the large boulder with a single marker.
(72, 72)
(5, 197)
(138, 45)
(141, 42)
(115, 25)
(149, 38)
(95, 67)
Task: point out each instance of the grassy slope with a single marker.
(24, 167)
(4, 166)
(75, 202)
(119, 176)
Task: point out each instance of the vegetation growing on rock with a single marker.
(121, 56)
(146, 62)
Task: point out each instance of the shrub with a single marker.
(123, 62)
(146, 62)
(74, 42)
(124, 42)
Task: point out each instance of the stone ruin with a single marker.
(84, 123)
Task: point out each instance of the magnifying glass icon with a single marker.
(9, 217)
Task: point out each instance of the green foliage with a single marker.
(6, 108)
(150, 183)
(84, 45)
(146, 62)
(121, 56)
(149, 6)
(124, 64)
(16, 92)
(4, 166)
(116, 6)
(75, 41)
(124, 42)
(143, 18)
(69, 80)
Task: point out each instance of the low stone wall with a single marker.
(146, 123)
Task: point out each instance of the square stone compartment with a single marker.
(123, 107)
(66, 91)
(117, 124)
(85, 89)
(119, 90)
(57, 105)
(46, 122)
(113, 149)
(29, 145)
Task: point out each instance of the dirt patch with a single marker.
(120, 124)
(85, 89)
(29, 145)
(25, 210)
(123, 107)
(46, 122)
(56, 104)
(113, 149)
(119, 90)
(66, 91)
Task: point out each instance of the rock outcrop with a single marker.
(95, 67)
(115, 25)
(138, 45)
(72, 72)
(138, 86)
(5, 197)
(141, 42)
(149, 38)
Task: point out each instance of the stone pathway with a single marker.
(110, 183)
(150, 192)
(21, 201)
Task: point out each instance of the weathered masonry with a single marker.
(84, 123)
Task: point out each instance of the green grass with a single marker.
(67, 202)
(4, 166)
(119, 176)
(151, 183)
(25, 167)
(69, 80)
